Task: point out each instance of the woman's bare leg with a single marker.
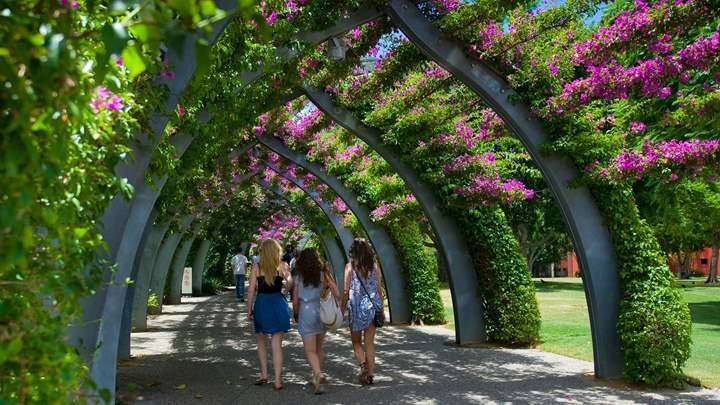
(277, 355)
(262, 354)
(320, 339)
(369, 343)
(311, 353)
(356, 338)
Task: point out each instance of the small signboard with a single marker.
(187, 281)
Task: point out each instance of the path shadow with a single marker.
(705, 312)
(210, 355)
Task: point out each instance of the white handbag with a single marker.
(330, 313)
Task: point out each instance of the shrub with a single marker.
(153, 304)
(508, 293)
(654, 321)
(420, 270)
(212, 285)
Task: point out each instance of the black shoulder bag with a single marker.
(379, 319)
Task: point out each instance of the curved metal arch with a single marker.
(332, 251)
(468, 308)
(385, 250)
(166, 254)
(118, 213)
(199, 266)
(346, 237)
(178, 267)
(587, 228)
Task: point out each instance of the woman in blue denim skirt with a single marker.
(269, 311)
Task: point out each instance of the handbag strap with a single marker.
(364, 289)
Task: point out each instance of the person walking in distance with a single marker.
(313, 279)
(239, 265)
(269, 311)
(363, 297)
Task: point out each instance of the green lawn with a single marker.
(566, 330)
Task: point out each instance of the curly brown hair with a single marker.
(310, 267)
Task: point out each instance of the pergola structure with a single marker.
(144, 250)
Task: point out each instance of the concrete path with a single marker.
(203, 351)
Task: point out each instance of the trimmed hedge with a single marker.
(420, 271)
(510, 306)
(654, 322)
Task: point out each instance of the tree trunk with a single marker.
(552, 270)
(712, 274)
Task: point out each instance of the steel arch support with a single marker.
(199, 267)
(177, 270)
(468, 313)
(126, 322)
(149, 255)
(114, 302)
(335, 254)
(332, 251)
(346, 237)
(397, 293)
(162, 265)
(587, 229)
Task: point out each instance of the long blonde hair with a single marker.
(270, 253)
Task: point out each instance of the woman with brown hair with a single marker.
(363, 297)
(313, 280)
(269, 311)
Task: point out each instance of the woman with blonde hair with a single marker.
(269, 311)
(313, 280)
(363, 297)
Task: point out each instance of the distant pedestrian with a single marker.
(239, 264)
(363, 297)
(269, 311)
(293, 266)
(287, 257)
(313, 280)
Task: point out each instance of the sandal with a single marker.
(363, 377)
(261, 381)
(317, 382)
(370, 380)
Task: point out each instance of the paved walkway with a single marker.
(202, 351)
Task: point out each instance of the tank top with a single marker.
(265, 288)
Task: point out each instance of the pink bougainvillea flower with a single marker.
(104, 99)
(272, 18)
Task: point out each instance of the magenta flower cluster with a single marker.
(339, 205)
(104, 99)
(67, 3)
(640, 24)
(462, 162)
(465, 137)
(693, 155)
(280, 225)
(386, 208)
(349, 153)
(493, 187)
(446, 6)
(650, 78)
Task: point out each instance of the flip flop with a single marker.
(261, 381)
